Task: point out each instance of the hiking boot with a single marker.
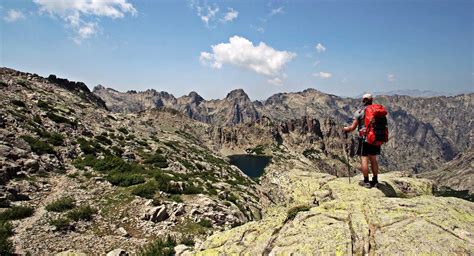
(374, 183)
(365, 184)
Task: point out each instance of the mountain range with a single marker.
(146, 173)
(424, 132)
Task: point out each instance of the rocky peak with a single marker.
(237, 94)
(98, 87)
(195, 98)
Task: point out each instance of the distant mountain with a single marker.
(413, 93)
(424, 132)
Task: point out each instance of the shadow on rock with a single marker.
(387, 189)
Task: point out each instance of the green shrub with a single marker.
(258, 150)
(60, 224)
(123, 130)
(84, 212)
(192, 189)
(187, 164)
(156, 160)
(37, 119)
(176, 198)
(143, 143)
(6, 246)
(104, 140)
(3, 84)
(38, 146)
(81, 163)
(61, 205)
(159, 247)
(162, 178)
(16, 213)
(60, 119)
(118, 151)
(291, 214)
(146, 190)
(205, 223)
(22, 82)
(125, 179)
(187, 240)
(55, 139)
(89, 147)
(19, 103)
(43, 105)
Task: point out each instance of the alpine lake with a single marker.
(252, 165)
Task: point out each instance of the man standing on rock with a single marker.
(365, 150)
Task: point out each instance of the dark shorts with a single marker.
(366, 149)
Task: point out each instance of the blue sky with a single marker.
(264, 47)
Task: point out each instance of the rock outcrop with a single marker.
(331, 216)
(457, 174)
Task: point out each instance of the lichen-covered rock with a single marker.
(356, 220)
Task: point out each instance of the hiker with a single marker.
(369, 141)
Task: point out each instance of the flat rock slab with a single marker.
(356, 220)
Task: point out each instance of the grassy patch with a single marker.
(160, 247)
(157, 160)
(123, 130)
(60, 224)
(205, 223)
(104, 140)
(175, 198)
(55, 139)
(6, 246)
(60, 119)
(125, 179)
(258, 150)
(90, 147)
(190, 227)
(146, 190)
(61, 205)
(18, 103)
(119, 172)
(43, 105)
(38, 146)
(84, 212)
(16, 213)
(291, 214)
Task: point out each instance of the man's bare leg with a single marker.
(364, 166)
(374, 165)
(375, 169)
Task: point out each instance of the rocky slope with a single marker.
(129, 178)
(457, 174)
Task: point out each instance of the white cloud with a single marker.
(324, 75)
(259, 29)
(230, 15)
(13, 15)
(207, 13)
(316, 63)
(276, 11)
(391, 77)
(320, 48)
(78, 13)
(241, 52)
(275, 81)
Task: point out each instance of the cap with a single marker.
(367, 96)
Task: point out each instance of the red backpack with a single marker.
(376, 131)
